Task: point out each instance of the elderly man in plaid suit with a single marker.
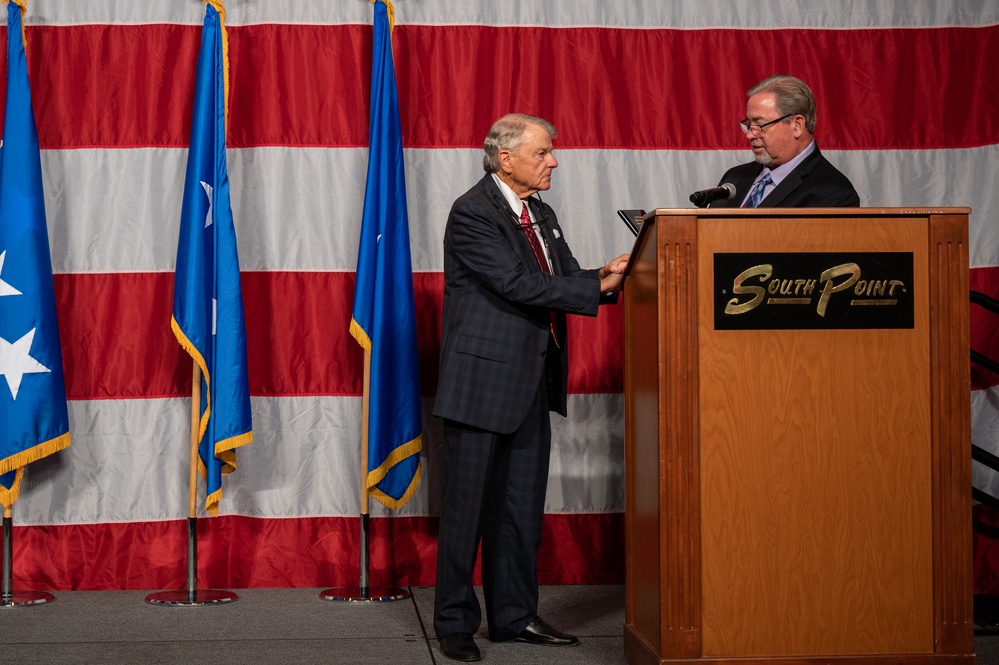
(509, 280)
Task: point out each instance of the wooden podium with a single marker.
(798, 465)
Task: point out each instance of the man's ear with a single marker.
(503, 158)
(799, 125)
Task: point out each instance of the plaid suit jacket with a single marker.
(495, 319)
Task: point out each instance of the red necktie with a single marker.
(539, 254)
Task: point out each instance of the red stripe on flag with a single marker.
(685, 89)
(306, 85)
(115, 335)
(116, 340)
(118, 86)
(117, 343)
(243, 552)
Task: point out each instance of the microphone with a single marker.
(538, 207)
(705, 196)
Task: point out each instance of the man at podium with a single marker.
(788, 171)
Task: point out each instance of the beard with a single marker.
(764, 159)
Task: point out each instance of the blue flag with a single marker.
(384, 319)
(34, 421)
(207, 299)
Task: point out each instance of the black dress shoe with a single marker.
(539, 632)
(460, 646)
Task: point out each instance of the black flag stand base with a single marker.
(9, 598)
(364, 593)
(26, 599)
(192, 596)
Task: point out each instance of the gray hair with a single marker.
(792, 96)
(506, 134)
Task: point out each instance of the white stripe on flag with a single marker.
(129, 462)
(778, 14)
(306, 202)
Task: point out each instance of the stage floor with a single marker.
(296, 626)
(290, 626)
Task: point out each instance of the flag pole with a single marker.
(43, 426)
(193, 596)
(364, 577)
(8, 598)
(364, 592)
(192, 485)
(384, 132)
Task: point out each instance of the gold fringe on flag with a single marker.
(389, 9)
(217, 4)
(23, 4)
(21, 460)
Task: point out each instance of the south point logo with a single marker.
(844, 280)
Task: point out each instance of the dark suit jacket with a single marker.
(494, 337)
(815, 183)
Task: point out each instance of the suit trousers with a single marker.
(494, 490)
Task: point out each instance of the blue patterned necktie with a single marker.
(756, 195)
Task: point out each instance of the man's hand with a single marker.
(612, 274)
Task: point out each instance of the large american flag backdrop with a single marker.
(646, 96)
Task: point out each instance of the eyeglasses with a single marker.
(753, 128)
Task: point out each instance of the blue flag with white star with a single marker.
(34, 421)
(384, 317)
(207, 298)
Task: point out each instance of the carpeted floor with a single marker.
(295, 626)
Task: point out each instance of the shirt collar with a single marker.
(781, 172)
(516, 203)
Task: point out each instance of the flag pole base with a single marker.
(26, 599)
(196, 598)
(364, 594)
